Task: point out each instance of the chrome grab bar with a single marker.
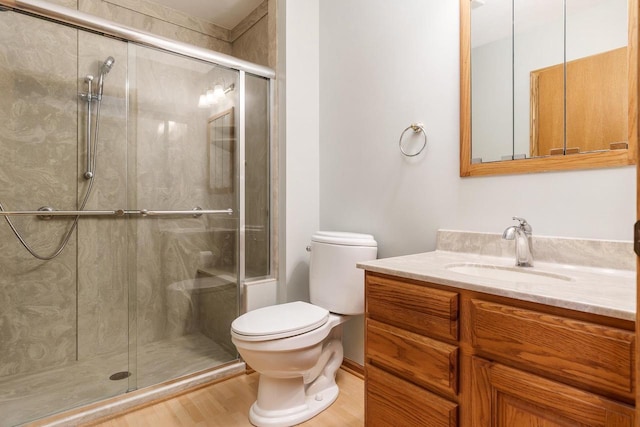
(56, 213)
(195, 212)
(119, 212)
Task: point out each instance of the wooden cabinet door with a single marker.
(587, 355)
(507, 397)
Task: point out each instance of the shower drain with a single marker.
(120, 376)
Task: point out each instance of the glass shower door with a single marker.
(182, 156)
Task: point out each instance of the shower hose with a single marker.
(71, 229)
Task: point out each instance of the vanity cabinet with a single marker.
(507, 397)
(443, 356)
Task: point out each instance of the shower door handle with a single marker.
(195, 212)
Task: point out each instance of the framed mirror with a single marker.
(547, 85)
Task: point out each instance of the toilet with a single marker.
(297, 347)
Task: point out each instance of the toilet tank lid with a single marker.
(280, 321)
(344, 238)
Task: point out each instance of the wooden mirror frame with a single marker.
(601, 159)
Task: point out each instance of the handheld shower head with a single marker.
(106, 66)
(104, 70)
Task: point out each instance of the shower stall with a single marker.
(135, 201)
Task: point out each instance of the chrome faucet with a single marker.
(522, 235)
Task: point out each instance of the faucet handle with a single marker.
(523, 224)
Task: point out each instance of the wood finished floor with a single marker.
(227, 403)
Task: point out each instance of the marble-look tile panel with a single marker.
(561, 250)
(71, 4)
(181, 249)
(272, 32)
(38, 84)
(257, 199)
(37, 321)
(38, 132)
(250, 20)
(167, 14)
(153, 25)
(217, 309)
(169, 170)
(102, 279)
(253, 44)
(151, 307)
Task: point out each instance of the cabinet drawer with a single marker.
(598, 357)
(419, 359)
(391, 401)
(431, 312)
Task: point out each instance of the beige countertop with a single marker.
(607, 292)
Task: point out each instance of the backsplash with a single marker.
(561, 250)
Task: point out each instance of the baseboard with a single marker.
(353, 368)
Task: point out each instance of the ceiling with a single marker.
(225, 13)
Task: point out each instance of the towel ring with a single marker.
(416, 127)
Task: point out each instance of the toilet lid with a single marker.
(344, 238)
(280, 321)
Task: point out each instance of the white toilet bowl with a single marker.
(297, 349)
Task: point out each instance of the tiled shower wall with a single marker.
(253, 39)
(42, 164)
(38, 298)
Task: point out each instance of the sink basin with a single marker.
(510, 274)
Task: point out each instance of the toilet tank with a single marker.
(335, 282)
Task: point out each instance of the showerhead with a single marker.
(106, 66)
(104, 70)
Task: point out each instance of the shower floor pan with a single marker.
(27, 397)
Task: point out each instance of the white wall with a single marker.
(299, 136)
(384, 65)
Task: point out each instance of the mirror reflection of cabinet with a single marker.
(501, 118)
(596, 105)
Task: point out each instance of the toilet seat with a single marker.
(279, 321)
